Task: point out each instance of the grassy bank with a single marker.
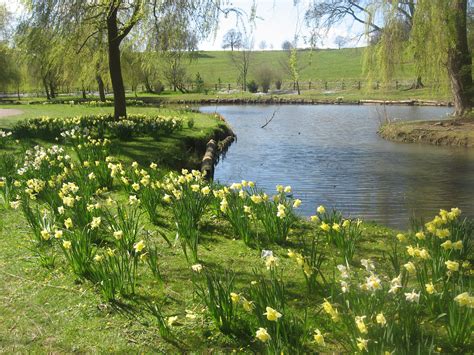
(182, 148)
(454, 132)
(91, 259)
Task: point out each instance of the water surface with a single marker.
(332, 155)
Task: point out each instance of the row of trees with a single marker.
(62, 42)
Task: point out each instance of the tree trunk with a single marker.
(460, 61)
(46, 89)
(120, 108)
(100, 84)
(418, 83)
(51, 90)
(148, 87)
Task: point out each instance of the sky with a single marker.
(277, 21)
(280, 20)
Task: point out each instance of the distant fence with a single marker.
(319, 85)
(312, 85)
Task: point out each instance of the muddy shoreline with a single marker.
(453, 132)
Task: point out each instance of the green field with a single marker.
(318, 65)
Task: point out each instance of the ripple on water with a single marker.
(332, 155)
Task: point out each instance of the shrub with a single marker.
(264, 77)
(199, 83)
(252, 86)
(278, 83)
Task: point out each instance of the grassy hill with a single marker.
(320, 65)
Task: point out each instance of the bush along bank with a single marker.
(311, 285)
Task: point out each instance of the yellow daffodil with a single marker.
(45, 234)
(234, 297)
(96, 221)
(139, 246)
(247, 305)
(410, 267)
(420, 236)
(452, 265)
(359, 320)
(401, 237)
(321, 210)
(262, 335)
(272, 314)
(66, 244)
(325, 227)
(464, 299)
(329, 309)
(380, 318)
(430, 289)
(318, 338)
(362, 344)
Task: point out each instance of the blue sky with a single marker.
(278, 20)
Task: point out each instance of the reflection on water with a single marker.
(332, 155)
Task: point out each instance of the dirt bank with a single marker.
(454, 132)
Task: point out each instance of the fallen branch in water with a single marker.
(271, 118)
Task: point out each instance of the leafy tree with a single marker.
(286, 45)
(433, 32)
(325, 14)
(43, 52)
(293, 66)
(117, 18)
(242, 61)
(232, 39)
(9, 70)
(340, 41)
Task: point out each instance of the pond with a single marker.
(332, 155)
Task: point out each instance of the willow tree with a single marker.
(325, 14)
(438, 43)
(118, 18)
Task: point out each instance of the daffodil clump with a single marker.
(50, 128)
(5, 138)
(189, 196)
(344, 234)
(95, 211)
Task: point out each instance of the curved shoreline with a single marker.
(297, 101)
(259, 100)
(452, 132)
